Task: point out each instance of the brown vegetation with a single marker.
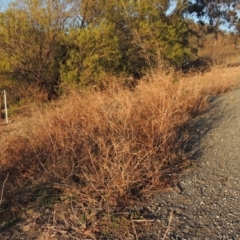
(104, 150)
(105, 129)
(221, 51)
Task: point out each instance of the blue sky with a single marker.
(4, 3)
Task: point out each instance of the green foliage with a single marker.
(93, 53)
(217, 12)
(128, 37)
(176, 48)
(61, 43)
(143, 29)
(29, 40)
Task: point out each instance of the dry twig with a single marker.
(135, 232)
(168, 226)
(3, 189)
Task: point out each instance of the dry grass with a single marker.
(220, 52)
(105, 150)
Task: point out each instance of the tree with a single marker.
(51, 43)
(93, 54)
(143, 29)
(29, 37)
(218, 12)
(237, 27)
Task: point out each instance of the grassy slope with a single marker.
(102, 151)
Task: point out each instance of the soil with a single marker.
(205, 204)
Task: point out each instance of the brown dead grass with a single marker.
(221, 52)
(104, 150)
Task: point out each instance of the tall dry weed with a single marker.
(106, 148)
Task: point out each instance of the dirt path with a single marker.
(207, 203)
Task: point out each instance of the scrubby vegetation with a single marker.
(101, 93)
(102, 151)
(55, 45)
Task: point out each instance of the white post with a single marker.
(5, 104)
(1, 105)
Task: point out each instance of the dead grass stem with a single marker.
(106, 149)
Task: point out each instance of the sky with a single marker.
(4, 3)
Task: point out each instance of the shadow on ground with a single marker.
(200, 126)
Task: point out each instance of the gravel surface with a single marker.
(207, 203)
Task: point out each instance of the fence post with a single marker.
(5, 104)
(1, 106)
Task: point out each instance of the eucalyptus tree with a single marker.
(80, 42)
(30, 32)
(216, 12)
(124, 37)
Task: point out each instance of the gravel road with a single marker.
(207, 205)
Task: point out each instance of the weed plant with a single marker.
(104, 150)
